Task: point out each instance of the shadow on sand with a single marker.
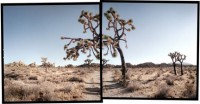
(113, 86)
(92, 91)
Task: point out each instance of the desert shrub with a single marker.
(76, 93)
(70, 88)
(132, 86)
(128, 76)
(158, 74)
(71, 91)
(63, 79)
(117, 75)
(117, 72)
(12, 75)
(80, 86)
(69, 66)
(116, 78)
(162, 92)
(44, 94)
(65, 89)
(33, 78)
(82, 73)
(7, 82)
(76, 79)
(191, 76)
(139, 77)
(19, 91)
(190, 91)
(169, 81)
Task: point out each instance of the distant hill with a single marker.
(146, 64)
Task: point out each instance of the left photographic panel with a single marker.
(51, 52)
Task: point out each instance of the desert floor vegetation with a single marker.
(150, 83)
(55, 84)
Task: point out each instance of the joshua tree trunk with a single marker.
(174, 67)
(181, 69)
(123, 70)
(88, 66)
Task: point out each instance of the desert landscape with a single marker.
(150, 81)
(36, 83)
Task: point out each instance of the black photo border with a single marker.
(197, 65)
(2, 50)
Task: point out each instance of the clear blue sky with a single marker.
(160, 28)
(32, 32)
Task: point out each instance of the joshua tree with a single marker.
(44, 63)
(104, 61)
(90, 22)
(112, 43)
(88, 62)
(180, 58)
(174, 59)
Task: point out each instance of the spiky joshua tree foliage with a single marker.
(88, 62)
(104, 61)
(90, 23)
(112, 42)
(180, 58)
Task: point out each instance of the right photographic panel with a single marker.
(150, 50)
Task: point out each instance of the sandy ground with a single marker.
(150, 83)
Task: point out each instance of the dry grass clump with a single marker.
(82, 73)
(190, 90)
(76, 79)
(19, 91)
(132, 86)
(162, 91)
(7, 82)
(13, 75)
(71, 91)
(191, 76)
(116, 78)
(117, 75)
(66, 89)
(169, 81)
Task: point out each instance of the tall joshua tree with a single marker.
(88, 62)
(90, 23)
(112, 43)
(174, 56)
(180, 58)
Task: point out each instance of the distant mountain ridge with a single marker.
(184, 63)
(148, 64)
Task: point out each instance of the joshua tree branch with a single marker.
(87, 19)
